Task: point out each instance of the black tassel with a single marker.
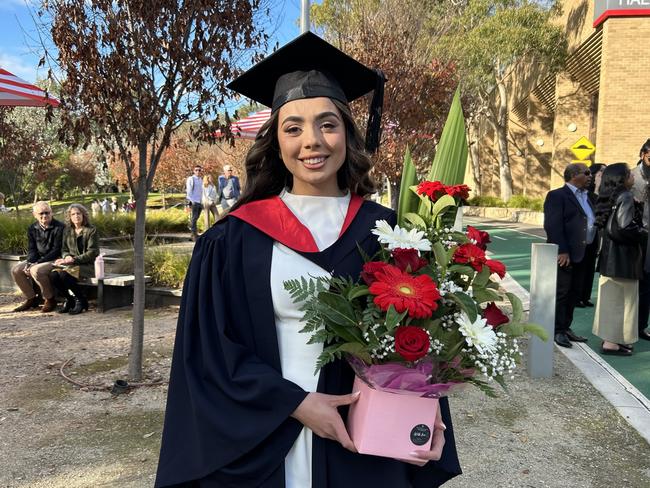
(373, 131)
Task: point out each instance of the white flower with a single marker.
(400, 238)
(477, 334)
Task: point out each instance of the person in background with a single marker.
(229, 188)
(194, 195)
(621, 262)
(96, 208)
(3, 209)
(641, 175)
(569, 222)
(114, 204)
(584, 300)
(105, 206)
(79, 250)
(210, 200)
(44, 239)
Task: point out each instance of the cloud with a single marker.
(22, 66)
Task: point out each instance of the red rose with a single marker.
(460, 191)
(482, 238)
(408, 258)
(494, 316)
(470, 254)
(496, 267)
(370, 269)
(411, 342)
(432, 189)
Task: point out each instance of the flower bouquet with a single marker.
(422, 320)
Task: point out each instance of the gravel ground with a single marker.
(558, 432)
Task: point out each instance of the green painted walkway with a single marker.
(514, 248)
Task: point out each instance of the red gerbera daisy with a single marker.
(470, 254)
(417, 294)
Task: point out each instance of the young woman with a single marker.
(244, 407)
(79, 250)
(620, 264)
(210, 198)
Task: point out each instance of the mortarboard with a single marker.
(310, 67)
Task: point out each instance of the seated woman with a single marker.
(79, 250)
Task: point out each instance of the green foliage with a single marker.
(408, 201)
(166, 267)
(521, 201)
(158, 221)
(486, 201)
(13, 234)
(451, 153)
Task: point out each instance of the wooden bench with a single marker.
(114, 291)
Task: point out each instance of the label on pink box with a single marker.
(391, 425)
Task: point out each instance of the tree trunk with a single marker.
(137, 330)
(393, 187)
(501, 127)
(472, 129)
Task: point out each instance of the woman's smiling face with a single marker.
(311, 135)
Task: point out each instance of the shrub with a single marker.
(13, 234)
(158, 221)
(486, 201)
(165, 266)
(521, 201)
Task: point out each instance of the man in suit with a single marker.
(569, 219)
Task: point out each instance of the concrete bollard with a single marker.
(543, 281)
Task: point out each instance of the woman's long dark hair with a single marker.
(612, 185)
(266, 174)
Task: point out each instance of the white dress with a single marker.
(324, 217)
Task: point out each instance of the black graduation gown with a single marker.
(227, 422)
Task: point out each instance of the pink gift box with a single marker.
(391, 425)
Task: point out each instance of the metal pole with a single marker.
(304, 16)
(543, 282)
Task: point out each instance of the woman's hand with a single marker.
(318, 412)
(435, 453)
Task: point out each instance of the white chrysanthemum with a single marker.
(477, 334)
(400, 238)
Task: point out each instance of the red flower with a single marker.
(416, 294)
(496, 267)
(408, 259)
(369, 270)
(482, 238)
(460, 191)
(494, 316)
(432, 189)
(470, 254)
(411, 343)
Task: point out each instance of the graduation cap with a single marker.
(310, 67)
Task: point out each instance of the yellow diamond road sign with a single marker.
(583, 149)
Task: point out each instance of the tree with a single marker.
(134, 72)
(28, 146)
(487, 40)
(389, 35)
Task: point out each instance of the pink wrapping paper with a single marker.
(391, 425)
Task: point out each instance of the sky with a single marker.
(19, 44)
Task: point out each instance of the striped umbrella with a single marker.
(15, 91)
(248, 127)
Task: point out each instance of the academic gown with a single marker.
(227, 422)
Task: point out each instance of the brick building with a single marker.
(601, 95)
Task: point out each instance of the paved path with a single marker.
(624, 381)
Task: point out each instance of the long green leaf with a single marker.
(517, 307)
(466, 303)
(416, 220)
(408, 202)
(337, 309)
(393, 318)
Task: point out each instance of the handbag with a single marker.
(613, 230)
